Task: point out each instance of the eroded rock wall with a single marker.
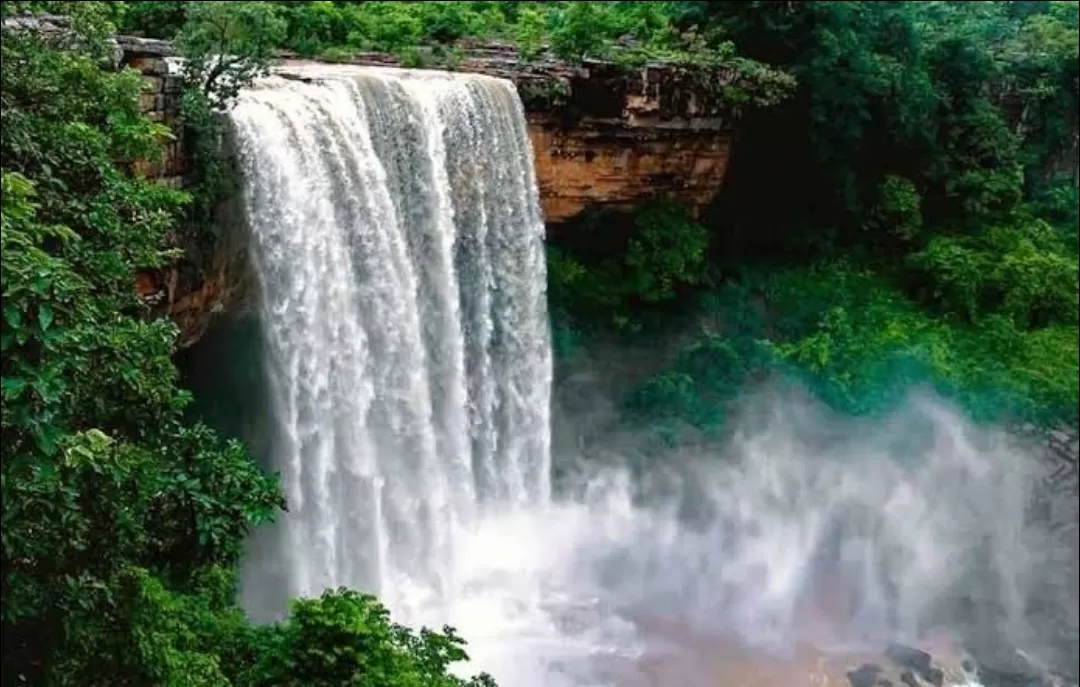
(617, 138)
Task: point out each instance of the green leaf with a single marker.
(45, 316)
(12, 387)
(13, 316)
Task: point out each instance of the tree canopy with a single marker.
(907, 218)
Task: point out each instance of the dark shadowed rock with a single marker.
(865, 675)
(917, 661)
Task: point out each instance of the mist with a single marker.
(802, 531)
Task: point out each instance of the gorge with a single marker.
(397, 232)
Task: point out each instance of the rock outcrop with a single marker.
(610, 135)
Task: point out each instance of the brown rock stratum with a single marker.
(599, 165)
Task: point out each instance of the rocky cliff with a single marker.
(603, 135)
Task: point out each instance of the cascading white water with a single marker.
(398, 240)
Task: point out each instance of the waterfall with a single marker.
(398, 242)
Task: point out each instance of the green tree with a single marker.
(346, 638)
(1020, 271)
(226, 46)
(123, 523)
(94, 452)
(153, 19)
(582, 30)
(620, 263)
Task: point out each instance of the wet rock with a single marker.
(917, 661)
(909, 657)
(865, 675)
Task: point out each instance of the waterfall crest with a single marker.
(398, 242)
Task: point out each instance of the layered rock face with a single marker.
(608, 137)
(160, 99)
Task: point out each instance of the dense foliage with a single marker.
(571, 29)
(909, 117)
(908, 218)
(437, 33)
(122, 522)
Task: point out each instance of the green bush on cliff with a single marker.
(122, 522)
(629, 32)
(346, 638)
(618, 262)
(861, 346)
(871, 345)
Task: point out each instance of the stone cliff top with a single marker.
(137, 46)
